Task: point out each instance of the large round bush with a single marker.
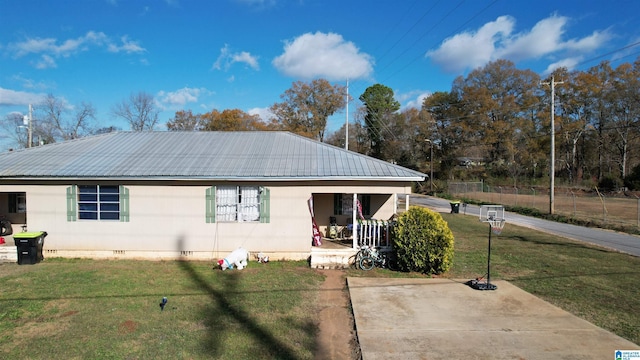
(423, 241)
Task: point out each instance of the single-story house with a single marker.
(197, 195)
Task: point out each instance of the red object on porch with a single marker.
(1, 240)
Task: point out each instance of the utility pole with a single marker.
(431, 164)
(346, 127)
(30, 129)
(553, 146)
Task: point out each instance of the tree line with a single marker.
(494, 123)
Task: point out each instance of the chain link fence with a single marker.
(618, 210)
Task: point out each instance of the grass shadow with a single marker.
(223, 313)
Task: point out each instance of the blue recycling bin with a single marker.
(29, 246)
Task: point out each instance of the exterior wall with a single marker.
(168, 221)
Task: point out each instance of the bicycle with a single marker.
(373, 257)
(363, 251)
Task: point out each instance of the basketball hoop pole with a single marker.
(496, 223)
(493, 287)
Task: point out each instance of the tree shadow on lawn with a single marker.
(569, 243)
(224, 313)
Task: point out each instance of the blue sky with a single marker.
(226, 54)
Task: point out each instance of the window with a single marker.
(343, 204)
(17, 203)
(97, 202)
(237, 204)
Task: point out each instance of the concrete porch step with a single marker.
(322, 258)
(8, 252)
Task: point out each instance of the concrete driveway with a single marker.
(446, 319)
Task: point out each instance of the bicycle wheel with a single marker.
(367, 263)
(391, 263)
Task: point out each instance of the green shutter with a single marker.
(72, 201)
(124, 204)
(265, 204)
(210, 213)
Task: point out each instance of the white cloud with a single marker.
(545, 37)
(227, 58)
(264, 113)
(471, 49)
(569, 63)
(30, 83)
(323, 55)
(413, 99)
(46, 62)
(10, 97)
(127, 46)
(50, 48)
(496, 40)
(180, 97)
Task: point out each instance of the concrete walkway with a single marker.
(446, 319)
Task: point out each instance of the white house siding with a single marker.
(169, 221)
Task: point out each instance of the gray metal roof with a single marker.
(270, 155)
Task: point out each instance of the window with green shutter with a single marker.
(237, 204)
(98, 203)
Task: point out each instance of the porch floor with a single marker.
(336, 243)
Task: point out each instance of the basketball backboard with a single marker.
(490, 213)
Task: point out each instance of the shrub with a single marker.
(610, 183)
(632, 181)
(423, 241)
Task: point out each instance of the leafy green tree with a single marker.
(380, 105)
(423, 241)
(305, 107)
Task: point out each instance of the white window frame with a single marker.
(237, 203)
(105, 205)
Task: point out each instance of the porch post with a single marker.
(406, 202)
(354, 224)
(395, 203)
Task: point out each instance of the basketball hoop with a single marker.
(494, 215)
(496, 225)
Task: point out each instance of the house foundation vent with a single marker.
(186, 253)
(119, 252)
(52, 251)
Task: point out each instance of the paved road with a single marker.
(626, 243)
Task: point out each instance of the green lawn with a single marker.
(84, 309)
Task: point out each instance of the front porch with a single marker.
(336, 252)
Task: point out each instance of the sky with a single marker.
(243, 54)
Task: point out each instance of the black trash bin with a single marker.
(455, 207)
(29, 246)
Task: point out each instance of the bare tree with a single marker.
(139, 110)
(56, 124)
(14, 130)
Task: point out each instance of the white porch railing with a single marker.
(373, 233)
